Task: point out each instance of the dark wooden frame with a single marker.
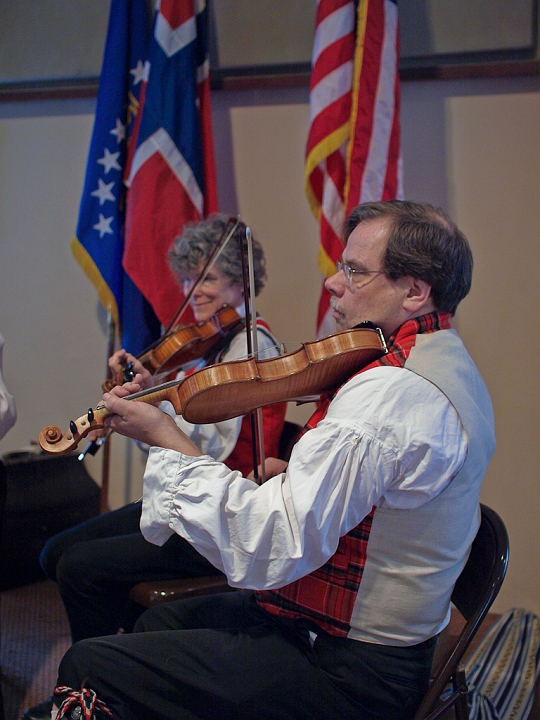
(437, 67)
(88, 87)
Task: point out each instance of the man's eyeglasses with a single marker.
(350, 272)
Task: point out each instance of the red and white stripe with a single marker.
(353, 146)
(165, 191)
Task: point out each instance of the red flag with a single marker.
(353, 152)
(172, 175)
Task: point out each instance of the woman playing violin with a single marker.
(97, 563)
(222, 285)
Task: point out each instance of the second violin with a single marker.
(186, 343)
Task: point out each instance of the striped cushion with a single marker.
(502, 670)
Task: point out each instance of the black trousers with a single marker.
(221, 657)
(97, 563)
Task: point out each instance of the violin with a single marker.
(230, 389)
(184, 344)
(190, 342)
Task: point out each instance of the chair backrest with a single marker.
(474, 593)
(482, 576)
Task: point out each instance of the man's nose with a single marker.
(335, 284)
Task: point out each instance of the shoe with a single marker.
(39, 712)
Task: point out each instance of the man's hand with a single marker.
(144, 422)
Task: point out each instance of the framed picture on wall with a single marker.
(264, 36)
(442, 32)
(59, 43)
(52, 42)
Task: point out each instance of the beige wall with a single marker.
(265, 172)
(494, 146)
(470, 146)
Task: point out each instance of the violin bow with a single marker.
(257, 435)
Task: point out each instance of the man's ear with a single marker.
(418, 295)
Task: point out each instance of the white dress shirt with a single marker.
(390, 439)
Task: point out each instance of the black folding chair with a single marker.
(474, 592)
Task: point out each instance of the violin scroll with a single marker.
(51, 434)
(52, 440)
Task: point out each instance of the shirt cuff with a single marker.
(162, 479)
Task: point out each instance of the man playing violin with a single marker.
(97, 563)
(350, 553)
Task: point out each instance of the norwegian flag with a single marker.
(353, 151)
(98, 244)
(171, 176)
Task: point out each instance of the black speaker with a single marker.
(45, 494)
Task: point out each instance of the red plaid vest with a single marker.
(327, 595)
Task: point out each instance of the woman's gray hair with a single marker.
(191, 250)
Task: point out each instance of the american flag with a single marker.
(353, 151)
(171, 177)
(98, 244)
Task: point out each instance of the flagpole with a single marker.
(104, 496)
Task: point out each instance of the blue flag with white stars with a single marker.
(98, 245)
